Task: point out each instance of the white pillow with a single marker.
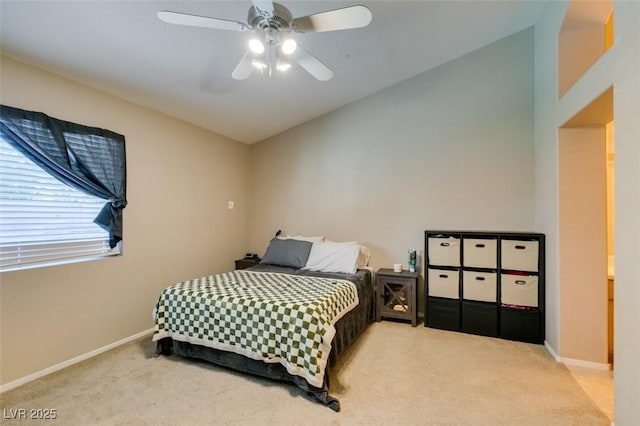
(303, 238)
(333, 257)
(365, 253)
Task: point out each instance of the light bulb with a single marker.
(289, 46)
(259, 64)
(256, 46)
(283, 65)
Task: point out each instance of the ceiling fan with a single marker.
(273, 26)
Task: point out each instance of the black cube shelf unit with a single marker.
(487, 283)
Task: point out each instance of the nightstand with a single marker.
(245, 263)
(397, 295)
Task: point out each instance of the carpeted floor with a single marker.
(394, 374)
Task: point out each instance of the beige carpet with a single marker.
(395, 374)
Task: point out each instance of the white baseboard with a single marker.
(576, 362)
(552, 352)
(587, 364)
(31, 377)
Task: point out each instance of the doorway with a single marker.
(586, 163)
(586, 258)
(586, 170)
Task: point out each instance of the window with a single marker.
(42, 220)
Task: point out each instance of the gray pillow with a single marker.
(289, 252)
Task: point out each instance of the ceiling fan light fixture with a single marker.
(283, 64)
(289, 46)
(256, 46)
(271, 24)
(259, 64)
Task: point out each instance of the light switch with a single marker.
(230, 205)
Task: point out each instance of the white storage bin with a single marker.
(443, 283)
(521, 290)
(520, 255)
(444, 251)
(480, 286)
(480, 253)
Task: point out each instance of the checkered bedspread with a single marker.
(267, 316)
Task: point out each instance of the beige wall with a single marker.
(176, 226)
(583, 244)
(451, 148)
(580, 45)
(619, 67)
(611, 192)
(427, 153)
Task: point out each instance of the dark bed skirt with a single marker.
(348, 329)
(273, 371)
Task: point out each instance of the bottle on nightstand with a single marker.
(412, 260)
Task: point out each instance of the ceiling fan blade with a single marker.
(334, 20)
(310, 63)
(244, 68)
(179, 18)
(264, 7)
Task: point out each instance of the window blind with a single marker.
(42, 220)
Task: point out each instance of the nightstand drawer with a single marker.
(444, 251)
(444, 283)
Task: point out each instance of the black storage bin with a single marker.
(480, 318)
(443, 313)
(521, 324)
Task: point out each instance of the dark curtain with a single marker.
(89, 159)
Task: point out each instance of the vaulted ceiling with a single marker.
(122, 48)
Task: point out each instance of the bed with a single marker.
(278, 319)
